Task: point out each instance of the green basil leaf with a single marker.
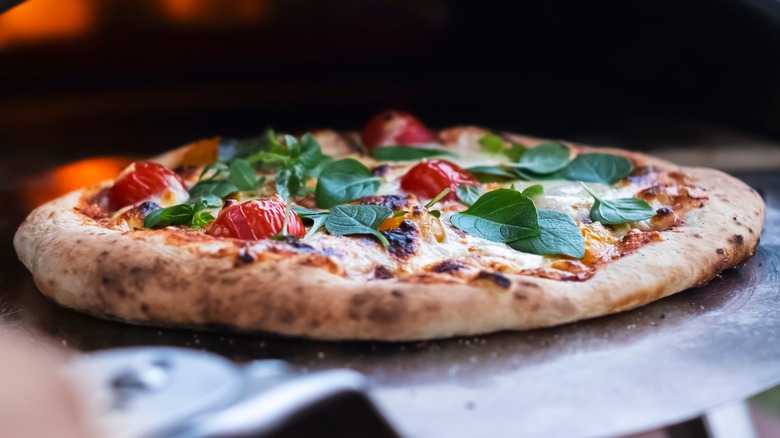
(600, 168)
(435, 213)
(467, 194)
(218, 188)
(317, 222)
(210, 201)
(303, 212)
(618, 211)
(230, 149)
(200, 219)
(358, 219)
(545, 158)
(502, 215)
(491, 173)
(243, 175)
(293, 147)
(492, 143)
(343, 181)
(515, 152)
(534, 190)
(406, 153)
(311, 157)
(176, 214)
(400, 213)
(289, 182)
(558, 235)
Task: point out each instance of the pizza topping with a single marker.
(618, 211)
(393, 202)
(357, 219)
(430, 177)
(558, 235)
(144, 180)
(344, 181)
(467, 194)
(402, 239)
(544, 159)
(194, 214)
(395, 128)
(257, 219)
(503, 215)
(598, 168)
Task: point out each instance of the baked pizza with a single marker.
(398, 232)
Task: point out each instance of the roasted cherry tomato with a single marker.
(392, 128)
(428, 178)
(255, 220)
(144, 179)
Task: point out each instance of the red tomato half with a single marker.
(255, 220)
(142, 180)
(428, 178)
(392, 128)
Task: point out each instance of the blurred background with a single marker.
(696, 81)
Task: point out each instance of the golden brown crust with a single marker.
(167, 278)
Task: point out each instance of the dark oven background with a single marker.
(117, 77)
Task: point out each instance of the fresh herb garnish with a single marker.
(193, 214)
(600, 168)
(243, 175)
(558, 235)
(534, 190)
(343, 181)
(492, 143)
(358, 219)
(515, 152)
(406, 153)
(618, 211)
(486, 174)
(467, 194)
(432, 202)
(315, 219)
(544, 159)
(400, 213)
(502, 215)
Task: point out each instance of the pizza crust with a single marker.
(174, 278)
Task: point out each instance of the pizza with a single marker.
(397, 232)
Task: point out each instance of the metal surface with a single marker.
(660, 364)
(150, 392)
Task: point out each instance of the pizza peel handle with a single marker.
(173, 392)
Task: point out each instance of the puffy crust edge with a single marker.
(142, 278)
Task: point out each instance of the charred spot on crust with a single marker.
(635, 240)
(381, 170)
(298, 244)
(448, 266)
(644, 175)
(246, 257)
(720, 251)
(737, 240)
(499, 279)
(663, 212)
(393, 202)
(403, 240)
(382, 273)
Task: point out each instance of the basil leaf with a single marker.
(467, 194)
(618, 211)
(243, 175)
(491, 173)
(303, 212)
(343, 181)
(406, 153)
(218, 188)
(176, 214)
(400, 213)
(289, 182)
(200, 219)
(502, 215)
(230, 149)
(600, 168)
(317, 222)
(515, 152)
(210, 201)
(534, 190)
(558, 235)
(358, 219)
(545, 158)
(492, 143)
